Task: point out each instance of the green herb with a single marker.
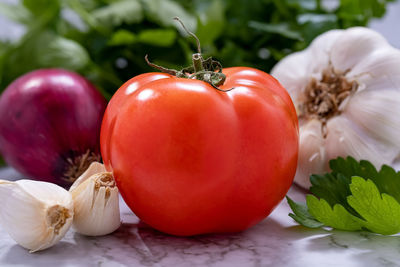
(106, 40)
(354, 196)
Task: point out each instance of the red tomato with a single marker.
(189, 159)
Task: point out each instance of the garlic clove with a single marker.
(347, 138)
(96, 204)
(95, 167)
(379, 63)
(295, 71)
(319, 51)
(35, 214)
(311, 153)
(294, 75)
(368, 82)
(377, 113)
(354, 45)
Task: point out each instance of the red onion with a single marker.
(50, 124)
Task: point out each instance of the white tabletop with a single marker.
(276, 241)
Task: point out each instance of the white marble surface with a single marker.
(276, 241)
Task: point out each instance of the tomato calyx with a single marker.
(207, 70)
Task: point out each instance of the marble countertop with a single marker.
(276, 241)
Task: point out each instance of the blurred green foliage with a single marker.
(106, 40)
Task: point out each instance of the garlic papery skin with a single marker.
(346, 90)
(35, 214)
(96, 202)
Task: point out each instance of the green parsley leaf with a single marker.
(157, 37)
(333, 188)
(301, 214)
(122, 37)
(344, 200)
(117, 13)
(380, 211)
(163, 12)
(338, 217)
(211, 22)
(387, 179)
(17, 13)
(44, 50)
(281, 28)
(38, 6)
(350, 167)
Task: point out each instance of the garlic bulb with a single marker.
(35, 214)
(346, 90)
(96, 202)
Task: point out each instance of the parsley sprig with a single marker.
(354, 196)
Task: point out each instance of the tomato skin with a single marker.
(189, 159)
(117, 101)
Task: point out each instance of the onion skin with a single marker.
(48, 118)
